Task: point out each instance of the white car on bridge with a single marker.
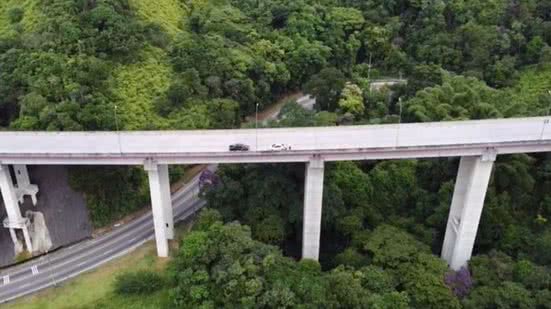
(280, 147)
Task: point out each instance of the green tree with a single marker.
(273, 216)
(534, 49)
(326, 87)
(543, 246)
(507, 295)
(419, 272)
(304, 59)
(15, 14)
(127, 191)
(457, 98)
(352, 99)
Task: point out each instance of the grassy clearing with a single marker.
(95, 289)
(533, 83)
(169, 14)
(31, 17)
(138, 84)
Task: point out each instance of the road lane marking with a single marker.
(92, 249)
(6, 279)
(138, 224)
(121, 253)
(117, 254)
(103, 246)
(182, 196)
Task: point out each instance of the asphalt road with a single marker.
(54, 268)
(307, 102)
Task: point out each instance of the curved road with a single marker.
(53, 268)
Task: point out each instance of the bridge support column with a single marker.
(467, 202)
(313, 196)
(161, 205)
(24, 186)
(14, 220)
(167, 201)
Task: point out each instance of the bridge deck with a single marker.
(412, 140)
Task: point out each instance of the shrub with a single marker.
(206, 218)
(491, 269)
(23, 256)
(532, 276)
(459, 281)
(351, 257)
(506, 295)
(127, 191)
(139, 282)
(15, 15)
(543, 248)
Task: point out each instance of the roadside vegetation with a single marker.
(96, 289)
(190, 64)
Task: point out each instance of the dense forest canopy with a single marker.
(187, 64)
(66, 64)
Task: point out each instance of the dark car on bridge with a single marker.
(239, 147)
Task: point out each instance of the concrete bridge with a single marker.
(476, 142)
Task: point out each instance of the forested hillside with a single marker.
(185, 64)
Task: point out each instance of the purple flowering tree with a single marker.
(207, 179)
(460, 282)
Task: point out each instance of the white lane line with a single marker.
(183, 200)
(121, 253)
(182, 196)
(6, 279)
(118, 254)
(98, 248)
(34, 269)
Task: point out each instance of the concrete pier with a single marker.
(14, 221)
(476, 141)
(24, 186)
(313, 196)
(467, 202)
(159, 189)
(167, 201)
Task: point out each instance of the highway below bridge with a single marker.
(476, 142)
(54, 268)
